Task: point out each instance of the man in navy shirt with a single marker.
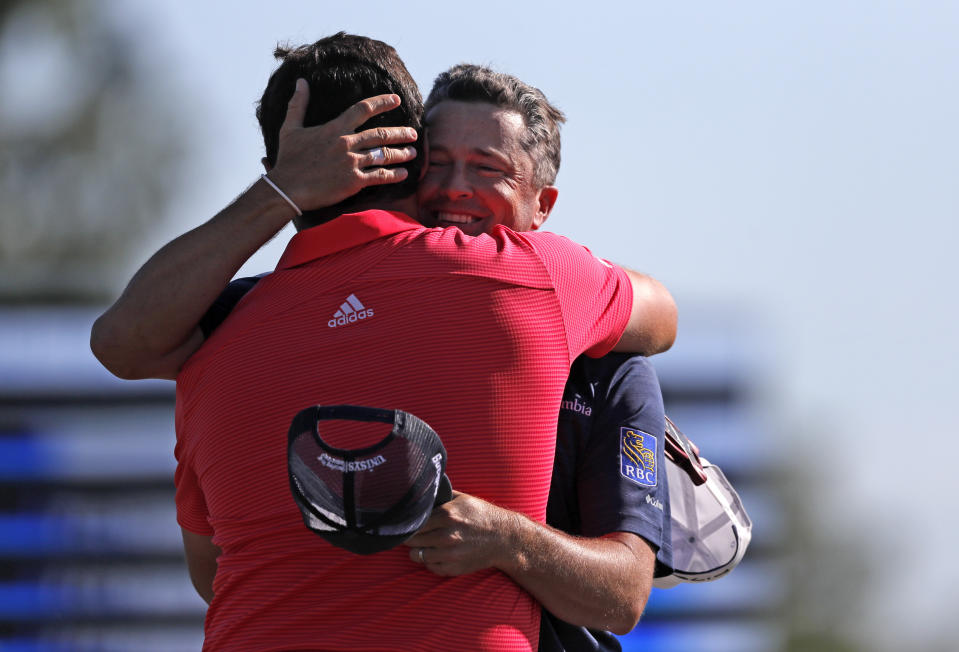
(487, 132)
(593, 492)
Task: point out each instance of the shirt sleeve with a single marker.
(595, 297)
(621, 480)
(191, 509)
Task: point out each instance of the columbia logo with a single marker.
(576, 406)
(351, 311)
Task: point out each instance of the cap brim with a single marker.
(444, 493)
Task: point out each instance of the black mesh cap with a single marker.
(368, 499)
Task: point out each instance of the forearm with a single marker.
(601, 583)
(159, 310)
(152, 328)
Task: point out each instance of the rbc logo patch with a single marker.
(637, 456)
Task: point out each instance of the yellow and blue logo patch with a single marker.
(637, 456)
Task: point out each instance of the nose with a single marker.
(455, 185)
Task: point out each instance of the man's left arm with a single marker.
(602, 583)
(653, 319)
(605, 307)
(601, 580)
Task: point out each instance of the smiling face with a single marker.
(479, 175)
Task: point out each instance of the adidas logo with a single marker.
(350, 312)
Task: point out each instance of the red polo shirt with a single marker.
(473, 335)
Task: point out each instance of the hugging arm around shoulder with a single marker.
(151, 329)
(653, 318)
(606, 296)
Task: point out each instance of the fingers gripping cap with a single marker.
(368, 499)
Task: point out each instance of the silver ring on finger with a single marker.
(379, 156)
(420, 553)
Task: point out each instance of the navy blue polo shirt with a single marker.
(608, 473)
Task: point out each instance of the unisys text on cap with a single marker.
(368, 499)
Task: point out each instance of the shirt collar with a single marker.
(342, 233)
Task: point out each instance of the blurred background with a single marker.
(788, 169)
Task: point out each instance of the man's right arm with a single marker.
(201, 561)
(151, 330)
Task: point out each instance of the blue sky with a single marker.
(791, 163)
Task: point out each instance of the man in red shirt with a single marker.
(453, 327)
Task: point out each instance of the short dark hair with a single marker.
(468, 82)
(342, 70)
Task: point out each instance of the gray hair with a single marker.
(472, 83)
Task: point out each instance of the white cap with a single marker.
(710, 529)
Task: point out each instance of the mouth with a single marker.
(444, 218)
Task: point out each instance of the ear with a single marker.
(266, 164)
(544, 205)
